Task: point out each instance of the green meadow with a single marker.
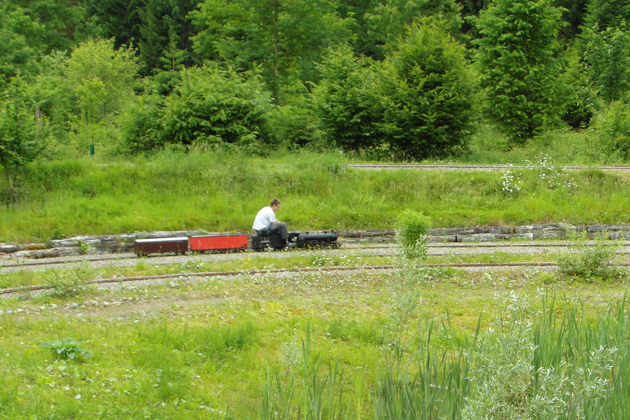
(222, 192)
(408, 343)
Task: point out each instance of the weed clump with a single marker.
(69, 283)
(411, 233)
(589, 262)
(66, 349)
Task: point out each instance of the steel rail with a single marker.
(432, 245)
(465, 166)
(282, 271)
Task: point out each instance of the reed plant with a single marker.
(536, 361)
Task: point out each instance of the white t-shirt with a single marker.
(264, 218)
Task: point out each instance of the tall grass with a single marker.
(565, 147)
(220, 192)
(535, 362)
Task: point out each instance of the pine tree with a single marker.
(519, 66)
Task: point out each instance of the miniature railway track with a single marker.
(471, 167)
(120, 280)
(433, 246)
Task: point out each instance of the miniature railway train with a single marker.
(234, 243)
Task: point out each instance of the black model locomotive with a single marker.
(323, 239)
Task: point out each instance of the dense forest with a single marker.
(408, 79)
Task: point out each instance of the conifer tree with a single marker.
(519, 66)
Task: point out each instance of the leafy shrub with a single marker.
(66, 349)
(209, 106)
(416, 104)
(519, 66)
(613, 126)
(425, 90)
(589, 262)
(607, 57)
(411, 233)
(346, 102)
(69, 283)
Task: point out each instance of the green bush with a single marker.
(425, 90)
(416, 104)
(589, 262)
(345, 101)
(612, 124)
(209, 106)
(412, 232)
(519, 65)
(69, 283)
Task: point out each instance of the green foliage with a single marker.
(100, 77)
(590, 262)
(18, 54)
(416, 104)
(411, 233)
(517, 58)
(209, 106)
(580, 99)
(66, 349)
(607, 60)
(69, 283)
(425, 92)
(346, 101)
(286, 38)
(389, 21)
(23, 132)
(517, 369)
(612, 125)
(607, 13)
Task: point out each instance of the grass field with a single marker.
(408, 343)
(214, 192)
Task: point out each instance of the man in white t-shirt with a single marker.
(266, 223)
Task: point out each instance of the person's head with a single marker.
(275, 204)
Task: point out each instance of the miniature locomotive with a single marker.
(234, 243)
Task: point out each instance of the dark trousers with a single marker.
(279, 228)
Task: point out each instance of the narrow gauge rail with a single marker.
(283, 271)
(128, 256)
(473, 167)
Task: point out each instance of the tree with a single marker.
(210, 106)
(166, 35)
(607, 13)
(23, 130)
(607, 61)
(117, 19)
(519, 66)
(59, 21)
(19, 52)
(286, 38)
(101, 77)
(346, 101)
(425, 90)
(417, 103)
(392, 20)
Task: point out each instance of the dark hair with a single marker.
(274, 202)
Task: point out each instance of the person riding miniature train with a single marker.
(266, 224)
